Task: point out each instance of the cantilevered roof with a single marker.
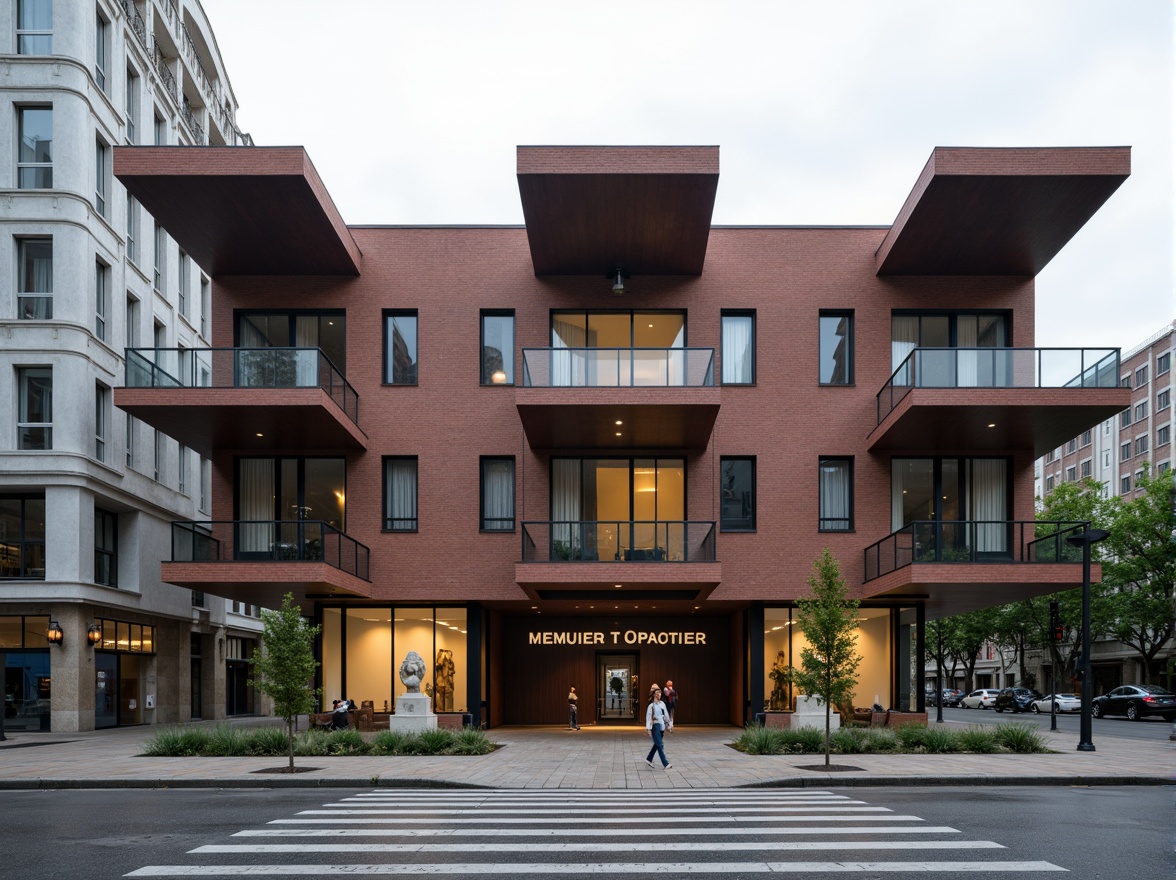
(998, 211)
(591, 210)
(242, 210)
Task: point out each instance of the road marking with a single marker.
(491, 811)
(613, 846)
(360, 820)
(608, 833)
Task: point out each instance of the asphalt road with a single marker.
(1146, 728)
(949, 832)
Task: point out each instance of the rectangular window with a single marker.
(1141, 376)
(132, 106)
(1141, 445)
(1163, 467)
(132, 229)
(22, 549)
(1163, 435)
(101, 50)
(1086, 468)
(1049, 484)
(160, 243)
(1163, 363)
(1125, 418)
(498, 348)
(1124, 484)
(105, 548)
(101, 299)
(1163, 400)
(836, 348)
(205, 483)
(101, 420)
(34, 166)
(737, 490)
(34, 424)
(1085, 438)
(34, 27)
(205, 294)
(160, 131)
(130, 429)
(498, 494)
(1141, 411)
(1071, 446)
(400, 494)
(738, 352)
(131, 331)
(182, 281)
(1125, 451)
(101, 173)
(1124, 381)
(400, 348)
(34, 296)
(182, 470)
(1071, 475)
(1107, 459)
(836, 495)
(157, 455)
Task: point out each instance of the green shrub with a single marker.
(346, 742)
(227, 741)
(435, 742)
(176, 742)
(847, 741)
(1021, 738)
(937, 741)
(267, 741)
(911, 737)
(311, 743)
(471, 741)
(389, 742)
(878, 739)
(978, 740)
(756, 740)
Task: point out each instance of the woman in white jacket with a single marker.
(657, 721)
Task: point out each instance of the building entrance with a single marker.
(617, 688)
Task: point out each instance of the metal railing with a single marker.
(973, 541)
(240, 368)
(301, 540)
(189, 117)
(999, 368)
(618, 541)
(135, 20)
(618, 367)
(169, 79)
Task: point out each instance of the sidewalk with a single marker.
(595, 757)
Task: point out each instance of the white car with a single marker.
(1062, 702)
(980, 699)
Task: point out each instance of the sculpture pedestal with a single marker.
(810, 712)
(414, 713)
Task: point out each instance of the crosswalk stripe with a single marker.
(609, 833)
(491, 811)
(613, 846)
(361, 820)
(477, 868)
(428, 793)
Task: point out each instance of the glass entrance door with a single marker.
(106, 690)
(617, 688)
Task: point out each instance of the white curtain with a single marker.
(565, 500)
(737, 350)
(400, 487)
(904, 338)
(255, 497)
(967, 362)
(897, 513)
(567, 367)
(989, 502)
(36, 277)
(834, 495)
(306, 338)
(498, 494)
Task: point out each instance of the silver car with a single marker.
(1060, 703)
(979, 699)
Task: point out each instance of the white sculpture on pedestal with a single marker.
(414, 710)
(810, 712)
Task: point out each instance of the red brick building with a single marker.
(606, 447)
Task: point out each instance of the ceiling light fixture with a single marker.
(618, 276)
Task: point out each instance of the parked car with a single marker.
(979, 699)
(1059, 703)
(1136, 701)
(952, 696)
(1015, 699)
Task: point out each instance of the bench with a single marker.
(894, 718)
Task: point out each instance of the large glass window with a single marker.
(182, 281)
(836, 494)
(101, 299)
(105, 548)
(34, 424)
(498, 348)
(22, 537)
(34, 298)
(132, 106)
(400, 494)
(322, 330)
(737, 494)
(101, 51)
(160, 255)
(284, 505)
(400, 348)
(836, 349)
(910, 330)
(958, 502)
(101, 420)
(132, 229)
(34, 27)
(623, 348)
(738, 348)
(101, 177)
(498, 494)
(34, 167)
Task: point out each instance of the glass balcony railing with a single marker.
(303, 540)
(618, 541)
(240, 368)
(618, 367)
(999, 368)
(983, 541)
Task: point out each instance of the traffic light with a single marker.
(1055, 623)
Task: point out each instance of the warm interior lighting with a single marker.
(259, 434)
(619, 422)
(498, 377)
(94, 634)
(992, 424)
(54, 634)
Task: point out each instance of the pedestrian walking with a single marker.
(670, 698)
(657, 721)
(573, 721)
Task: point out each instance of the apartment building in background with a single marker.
(90, 636)
(606, 447)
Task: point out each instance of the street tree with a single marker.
(284, 670)
(971, 630)
(828, 621)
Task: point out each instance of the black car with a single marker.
(1016, 699)
(1136, 701)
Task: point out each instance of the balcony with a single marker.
(253, 399)
(996, 399)
(618, 398)
(960, 565)
(618, 559)
(258, 561)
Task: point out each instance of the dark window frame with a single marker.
(841, 314)
(483, 519)
(387, 376)
(824, 522)
(105, 557)
(508, 357)
(389, 521)
(724, 525)
(25, 542)
(754, 343)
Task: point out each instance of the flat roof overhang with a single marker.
(591, 210)
(640, 582)
(955, 588)
(998, 211)
(242, 210)
(211, 419)
(586, 418)
(265, 583)
(947, 419)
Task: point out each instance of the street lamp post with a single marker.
(1084, 540)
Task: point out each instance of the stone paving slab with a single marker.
(592, 758)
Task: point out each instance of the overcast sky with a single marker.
(825, 111)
